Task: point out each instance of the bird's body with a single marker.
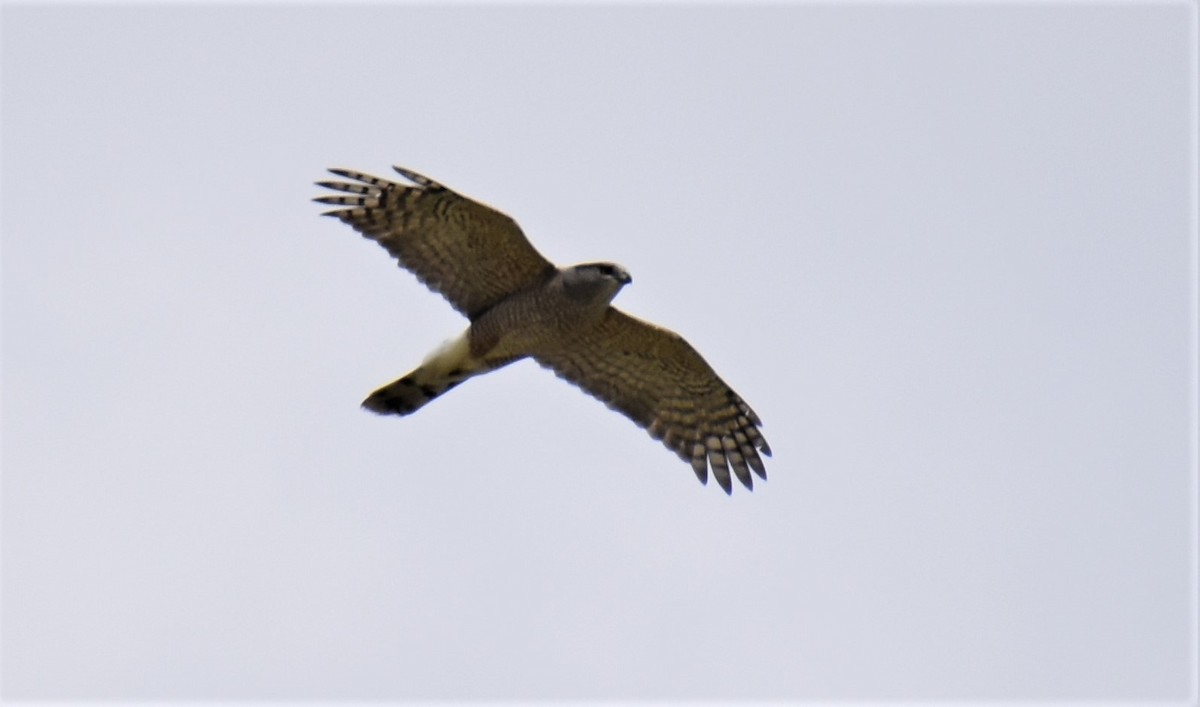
(541, 319)
(532, 322)
(520, 305)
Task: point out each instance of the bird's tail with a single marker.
(409, 394)
(445, 368)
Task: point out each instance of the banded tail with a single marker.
(409, 394)
(443, 369)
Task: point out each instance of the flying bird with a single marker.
(521, 305)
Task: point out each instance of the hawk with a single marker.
(521, 305)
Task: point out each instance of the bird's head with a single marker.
(595, 281)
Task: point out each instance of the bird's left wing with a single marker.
(655, 378)
(470, 253)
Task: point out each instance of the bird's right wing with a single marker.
(659, 381)
(470, 253)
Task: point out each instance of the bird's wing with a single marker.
(470, 253)
(659, 381)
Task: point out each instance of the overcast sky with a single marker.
(946, 251)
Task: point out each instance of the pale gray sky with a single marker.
(947, 251)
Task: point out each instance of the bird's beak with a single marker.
(624, 278)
